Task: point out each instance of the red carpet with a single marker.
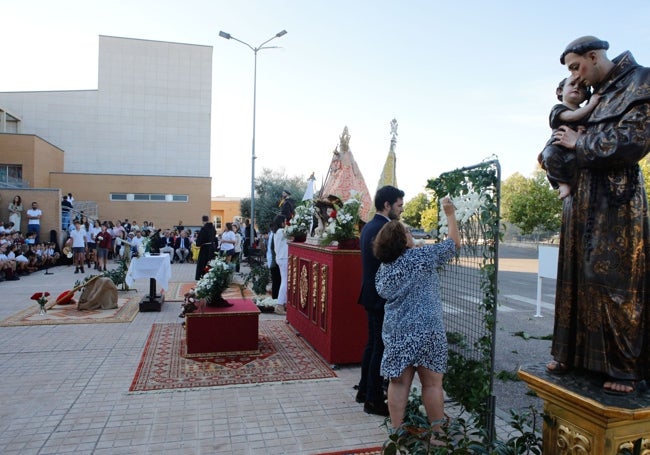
(126, 311)
(283, 356)
(177, 290)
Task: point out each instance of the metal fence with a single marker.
(469, 288)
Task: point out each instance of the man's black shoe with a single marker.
(379, 408)
(361, 397)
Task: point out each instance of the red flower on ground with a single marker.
(39, 295)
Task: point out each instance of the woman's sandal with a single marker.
(557, 368)
(608, 387)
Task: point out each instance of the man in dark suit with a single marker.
(287, 205)
(166, 244)
(182, 247)
(389, 205)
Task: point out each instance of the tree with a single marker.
(531, 204)
(645, 170)
(429, 219)
(511, 186)
(413, 209)
(268, 191)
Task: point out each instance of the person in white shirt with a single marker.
(228, 241)
(282, 259)
(136, 241)
(91, 241)
(34, 220)
(7, 265)
(238, 245)
(78, 242)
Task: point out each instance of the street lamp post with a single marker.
(254, 49)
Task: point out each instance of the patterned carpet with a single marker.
(177, 290)
(283, 356)
(127, 309)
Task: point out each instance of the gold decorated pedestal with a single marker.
(581, 419)
(323, 292)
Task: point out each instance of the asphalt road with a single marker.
(517, 284)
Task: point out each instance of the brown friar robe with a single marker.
(602, 307)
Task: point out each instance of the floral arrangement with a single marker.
(189, 305)
(216, 280)
(144, 247)
(470, 207)
(343, 224)
(300, 222)
(41, 299)
(266, 304)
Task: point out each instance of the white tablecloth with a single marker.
(157, 267)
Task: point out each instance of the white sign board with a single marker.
(547, 258)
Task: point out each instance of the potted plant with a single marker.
(260, 277)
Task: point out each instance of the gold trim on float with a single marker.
(304, 286)
(324, 270)
(294, 273)
(314, 284)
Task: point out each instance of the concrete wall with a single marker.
(49, 201)
(98, 187)
(149, 116)
(37, 157)
(226, 208)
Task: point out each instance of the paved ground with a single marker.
(64, 388)
(516, 315)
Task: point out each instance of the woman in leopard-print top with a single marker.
(413, 332)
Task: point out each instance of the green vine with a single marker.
(469, 380)
(118, 275)
(259, 276)
(462, 435)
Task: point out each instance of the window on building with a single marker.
(216, 220)
(11, 174)
(142, 197)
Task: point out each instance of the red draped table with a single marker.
(323, 290)
(215, 330)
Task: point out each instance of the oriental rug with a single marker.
(127, 309)
(177, 291)
(282, 356)
(368, 451)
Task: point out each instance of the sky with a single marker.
(466, 80)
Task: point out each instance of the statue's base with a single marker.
(581, 418)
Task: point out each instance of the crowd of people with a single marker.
(91, 243)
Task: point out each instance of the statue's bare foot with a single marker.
(557, 367)
(619, 387)
(564, 190)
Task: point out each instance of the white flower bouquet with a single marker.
(343, 223)
(300, 222)
(216, 280)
